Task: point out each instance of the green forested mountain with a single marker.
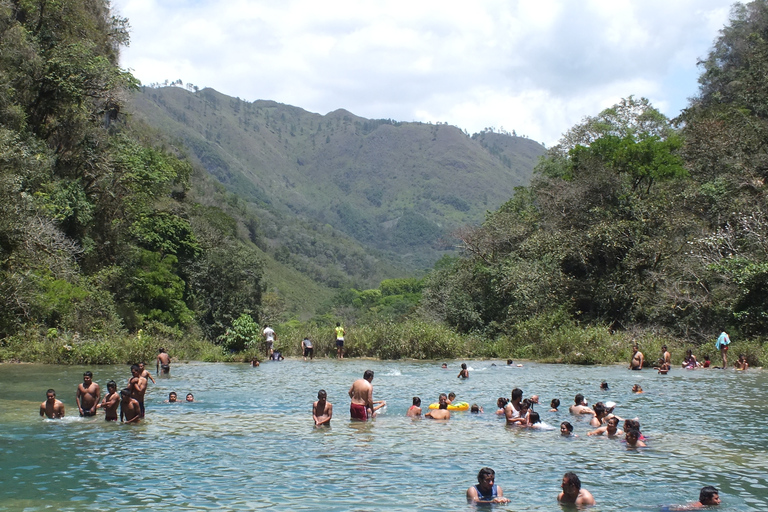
(397, 188)
(634, 221)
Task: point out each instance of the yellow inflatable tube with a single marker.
(455, 406)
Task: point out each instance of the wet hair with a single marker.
(567, 425)
(451, 396)
(534, 417)
(578, 399)
(88, 374)
(614, 419)
(51, 391)
(510, 361)
(417, 401)
(135, 367)
(474, 408)
(526, 404)
(633, 432)
(443, 405)
(161, 350)
(573, 480)
(707, 494)
(368, 374)
(442, 395)
(125, 392)
(483, 473)
(631, 425)
(463, 366)
(172, 393)
(517, 394)
(111, 384)
(599, 408)
(322, 395)
(501, 402)
(603, 385)
(555, 403)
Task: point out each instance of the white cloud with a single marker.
(534, 66)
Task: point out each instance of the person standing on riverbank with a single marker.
(486, 491)
(269, 336)
(87, 396)
(361, 394)
(636, 363)
(110, 402)
(307, 349)
(52, 408)
(573, 493)
(722, 345)
(340, 333)
(322, 411)
(163, 362)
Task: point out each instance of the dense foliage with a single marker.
(633, 221)
(100, 231)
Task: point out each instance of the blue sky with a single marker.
(536, 67)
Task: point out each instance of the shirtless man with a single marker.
(708, 496)
(137, 385)
(580, 406)
(442, 413)
(573, 493)
(486, 491)
(610, 429)
(163, 362)
(512, 411)
(665, 362)
(110, 402)
(636, 363)
(130, 412)
(52, 409)
(87, 396)
(146, 374)
(361, 394)
(322, 411)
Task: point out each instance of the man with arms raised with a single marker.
(573, 493)
(51, 408)
(486, 491)
(361, 394)
(110, 402)
(322, 411)
(87, 396)
(137, 386)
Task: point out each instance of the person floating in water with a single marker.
(130, 412)
(637, 389)
(163, 362)
(636, 363)
(87, 396)
(361, 396)
(604, 386)
(573, 493)
(486, 491)
(172, 398)
(414, 410)
(52, 408)
(464, 373)
(111, 402)
(708, 496)
(190, 397)
(322, 410)
(475, 409)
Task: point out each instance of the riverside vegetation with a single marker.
(114, 241)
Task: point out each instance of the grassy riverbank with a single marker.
(544, 339)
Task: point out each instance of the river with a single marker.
(248, 441)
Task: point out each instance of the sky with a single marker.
(536, 67)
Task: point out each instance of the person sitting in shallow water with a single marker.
(573, 493)
(741, 363)
(486, 491)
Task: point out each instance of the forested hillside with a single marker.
(397, 188)
(633, 221)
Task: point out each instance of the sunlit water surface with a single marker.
(248, 441)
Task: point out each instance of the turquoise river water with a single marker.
(248, 441)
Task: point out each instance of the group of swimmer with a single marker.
(129, 400)
(487, 492)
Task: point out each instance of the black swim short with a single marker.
(309, 351)
(340, 343)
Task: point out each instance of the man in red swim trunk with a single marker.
(361, 394)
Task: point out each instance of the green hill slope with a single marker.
(396, 188)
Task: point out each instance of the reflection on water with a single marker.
(248, 442)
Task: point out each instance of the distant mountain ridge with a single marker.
(396, 187)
